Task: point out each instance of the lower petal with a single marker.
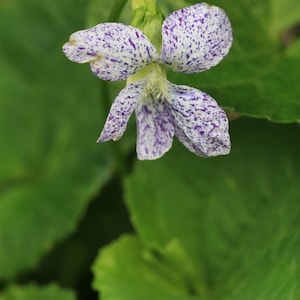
(155, 129)
(121, 110)
(200, 124)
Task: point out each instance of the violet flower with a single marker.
(194, 39)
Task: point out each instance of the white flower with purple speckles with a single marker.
(194, 39)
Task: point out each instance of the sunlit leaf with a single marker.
(125, 270)
(236, 217)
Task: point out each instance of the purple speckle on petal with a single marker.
(155, 128)
(195, 38)
(114, 50)
(121, 110)
(132, 44)
(200, 124)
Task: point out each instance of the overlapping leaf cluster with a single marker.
(223, 228)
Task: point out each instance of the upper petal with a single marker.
(121, 110)
(115, 51)
(155, 129)
(195, 38)
(200, 124)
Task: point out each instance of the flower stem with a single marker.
(116, 10)
(149, 5)
(148, 17)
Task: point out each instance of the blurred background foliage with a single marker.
(183, 227)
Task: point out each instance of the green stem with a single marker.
(116, 10)
(148, 17)
(149, 5)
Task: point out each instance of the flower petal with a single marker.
(121, 110)
(155, 129)
(200, 124)
(195, 38)
(115, 51)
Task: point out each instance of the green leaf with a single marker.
(126, 270)
(235, 218)
(50, 117)
(283, 14)
(294, 50)
(258, 78)
(33, 292)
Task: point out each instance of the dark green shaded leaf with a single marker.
(51, 116)
(32, 292)
(258, 78)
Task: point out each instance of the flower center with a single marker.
(156, 82)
